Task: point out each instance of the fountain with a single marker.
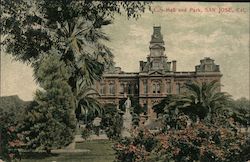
(127, 119)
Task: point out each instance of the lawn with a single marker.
(100, 151)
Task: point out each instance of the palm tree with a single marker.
(83, 49)
(164, 105)
(202, 100)
(86, 103)
(239, 110)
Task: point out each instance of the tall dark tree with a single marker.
(50, 121)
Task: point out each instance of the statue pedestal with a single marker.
(127, 124)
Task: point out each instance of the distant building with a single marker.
(156, 79)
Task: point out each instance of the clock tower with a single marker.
(156, 60)
(156, 44)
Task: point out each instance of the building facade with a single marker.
(156, 78)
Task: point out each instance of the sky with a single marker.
(191, 31)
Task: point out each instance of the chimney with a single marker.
(174, 66)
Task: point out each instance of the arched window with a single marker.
(178, 88)
(145, 87)
(111, 88)
(102, 89)
(129, 89)
(122, 88)
(135, 89)
(168, 86)
(158, 87)
(154, 88)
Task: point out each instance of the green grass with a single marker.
(100, 151)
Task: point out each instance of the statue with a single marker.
(127, 104)
(127, 119)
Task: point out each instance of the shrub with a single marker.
(9, 137)
(85, 133)
(111, 122)
(199, 142)
(135, 149)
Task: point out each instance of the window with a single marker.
(135, 89)
(145, 108)
(129, 89)
(145, 87)
(156, 88)
(122, 88)
(111, 88)
(102, 89)
(168, 86)
(178, 88)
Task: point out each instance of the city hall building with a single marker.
(156, 78)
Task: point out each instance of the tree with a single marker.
(202, 100)
(72, 27)
(87, 103)
(240, 111)
(50, 121)
(165, 103)
(112, 121)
